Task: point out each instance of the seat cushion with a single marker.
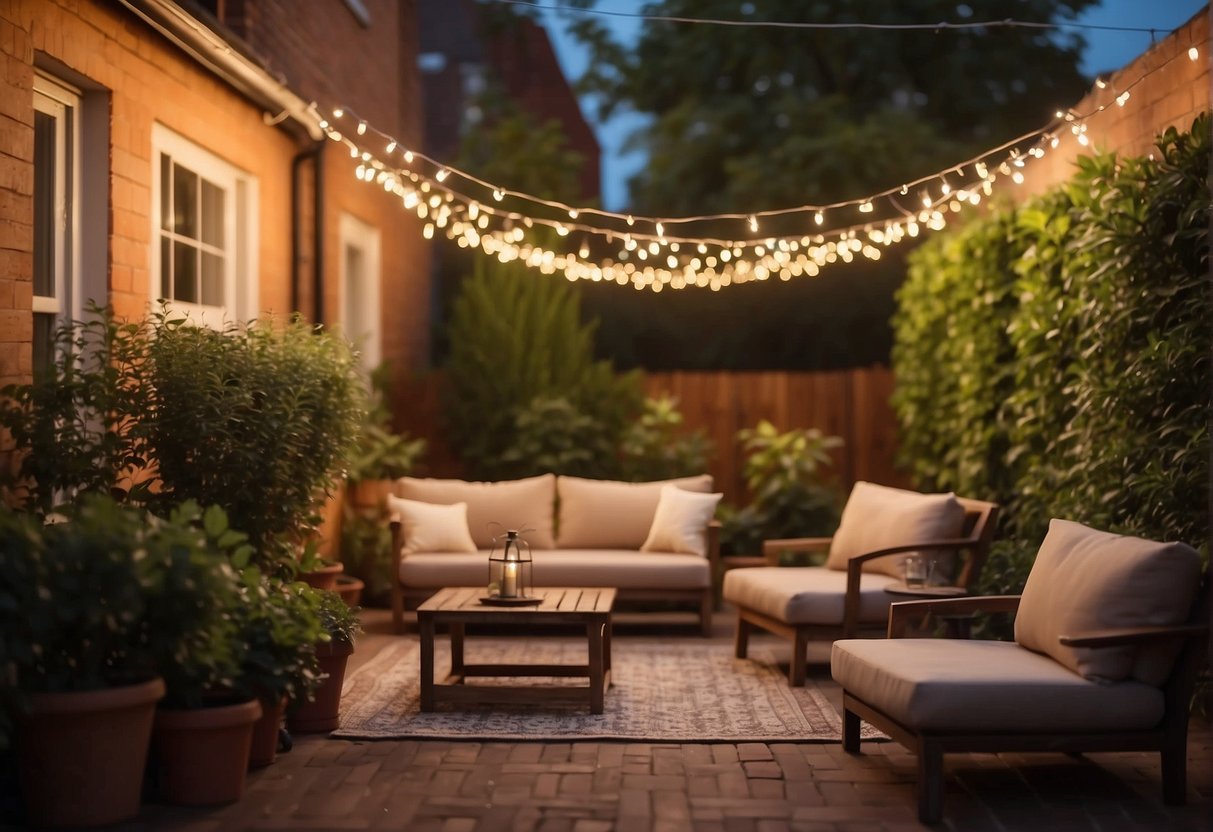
(878, 517)
(558, 567)
(952, 686)
(1085, 580)
(493, 507)
(608, 514)
(807, 594)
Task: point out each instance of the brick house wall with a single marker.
(1170, 97)
(140, 78)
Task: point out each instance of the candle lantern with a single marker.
(510, 570)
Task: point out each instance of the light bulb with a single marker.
(498, 195)
(819, 218)
(660, 230)
(866, 208)
(630, 220)
(1083, 140)
(361, 128)
(1017, 178)
(408, 155)
(391, 146)
(1193, 53)
(572, 213)
(753, 223)
(1101, 83)
(441, 175)
(338, 113)
(1122, 98)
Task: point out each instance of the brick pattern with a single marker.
(145, 79)
(754, 787)
(1171, 97)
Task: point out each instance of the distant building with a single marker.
(460, 54)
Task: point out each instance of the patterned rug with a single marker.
(680, 690)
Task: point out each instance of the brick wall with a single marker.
(1170, 97)
(145, 79)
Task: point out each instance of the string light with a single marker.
(1193, 53)
(450, 200)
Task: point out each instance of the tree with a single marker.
(746, 119)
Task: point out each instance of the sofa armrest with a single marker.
(902, 612)
(1133, 635)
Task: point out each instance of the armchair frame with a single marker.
(1169, 737)
(978, 530)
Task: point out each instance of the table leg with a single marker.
(606, 647)
(597, 673)
(425, 627)
(457, 648)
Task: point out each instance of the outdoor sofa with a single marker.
(651, 541)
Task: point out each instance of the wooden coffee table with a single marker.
(459, 606)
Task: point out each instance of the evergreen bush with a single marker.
(1055, 357)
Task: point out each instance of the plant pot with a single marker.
(202, 754)
(323, 578)
(81, 754)
(265, 733)
(322, 713)
(368, 496)
(350, 589)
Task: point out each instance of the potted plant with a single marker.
(321, 711)
(89, 609)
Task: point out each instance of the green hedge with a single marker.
(1055, 357)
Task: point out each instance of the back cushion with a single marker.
(1085, 580)
(514, 504)
(878, 517)
(607, 514)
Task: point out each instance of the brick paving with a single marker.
(326, 784)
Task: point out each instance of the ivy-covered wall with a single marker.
(1055, 356)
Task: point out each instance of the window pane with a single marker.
(185, 272)
(212, 214)
(212, 279)
(44, 205)
(185, 202)
(166, 191)
(44, 343)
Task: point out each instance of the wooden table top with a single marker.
(557, 603)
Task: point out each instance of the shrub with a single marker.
(1055, 357)
(655, 448)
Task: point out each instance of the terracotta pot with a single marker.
(81, 754)
(322, 713)
(323, 578)
(368, 496)
(350, 589)
(202, 754)
(265, 733)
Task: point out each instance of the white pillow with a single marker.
(680, 521)
(430, 527)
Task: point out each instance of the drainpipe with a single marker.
(314, 154)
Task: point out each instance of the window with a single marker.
(56, 189)
(360, 287)
(203, 210)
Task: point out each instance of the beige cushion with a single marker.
(878, 517)
(607, 514)
(1085, 580)
(807, 594)
(681, 522)
(493, 507)
(431, 527)
(950, 685)
(625, 569)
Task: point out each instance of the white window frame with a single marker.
(365, 308)
(62, 102)
(240, 232)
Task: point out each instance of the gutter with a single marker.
(225, 59)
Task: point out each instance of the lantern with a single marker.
(510, 569)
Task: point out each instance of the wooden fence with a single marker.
(851, 404)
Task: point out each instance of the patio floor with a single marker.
(584, 787)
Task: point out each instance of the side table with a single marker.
(955, 626)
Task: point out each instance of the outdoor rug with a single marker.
(679, 690)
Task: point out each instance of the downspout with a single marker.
(318, 237)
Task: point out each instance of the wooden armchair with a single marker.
(1106, 654)
(848, 594)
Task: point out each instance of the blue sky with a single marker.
(1106, 51)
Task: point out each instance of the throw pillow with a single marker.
(431, 527)
(1085, 580)
(680, 521)
(878, 517)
